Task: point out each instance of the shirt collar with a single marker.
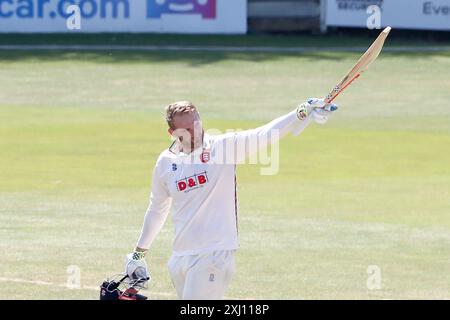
(175, 147)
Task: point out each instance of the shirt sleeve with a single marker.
(157, 212)
(244, 144)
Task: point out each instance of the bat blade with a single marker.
(362, 65)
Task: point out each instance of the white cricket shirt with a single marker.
(201, 188)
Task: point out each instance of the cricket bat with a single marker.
(362, 65)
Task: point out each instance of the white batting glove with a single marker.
(136, 268)
(317, 108)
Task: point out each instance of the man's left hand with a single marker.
(317, 108)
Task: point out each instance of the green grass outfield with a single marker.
(80, 132)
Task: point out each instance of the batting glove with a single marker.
(317, 108)
(136, 268)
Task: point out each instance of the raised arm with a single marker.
(238, 146)
(250, 142)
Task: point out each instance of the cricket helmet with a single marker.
(120, 287)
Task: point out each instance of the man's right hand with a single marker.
(136, 267)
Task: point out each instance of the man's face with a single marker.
(188, 129)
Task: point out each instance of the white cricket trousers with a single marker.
(204, 276)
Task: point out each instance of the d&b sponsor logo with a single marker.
(190, 183)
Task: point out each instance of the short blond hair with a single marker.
(179, 107)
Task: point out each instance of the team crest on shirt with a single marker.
(205, 156)
(196, 181)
